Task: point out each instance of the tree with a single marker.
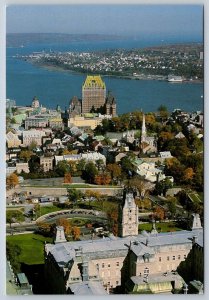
(13, 252)
(74, 195)
(34, 165)
(76, 233)
(162, 186)
(89, 172)
(25, 155)
(81, 165)
(66, 225)
(62, 168)
(163, 111)
(13, 216)
(159, 213)
(112, 216)
(32, 146)
(127, 163)
(141, 186)
(99, 164)
(67, 178)
(172, 206)
(102, 178)
(115, 171)
(12, 180)
(188, 175)
(44, 228)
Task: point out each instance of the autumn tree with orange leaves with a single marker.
(67, 178)
(76, 233)
(66, 225)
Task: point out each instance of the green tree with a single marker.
(62, 168)
(13, 216)
(32, 146)
(74, 195)
(25, 155)
(89, 172)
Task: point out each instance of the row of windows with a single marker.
(108, 265)
(173, 257)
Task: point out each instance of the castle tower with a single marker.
(110, 104)
(60, 235)
(144, 130)
(93, 93)
(128, 216)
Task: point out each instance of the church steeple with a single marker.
(144, 130)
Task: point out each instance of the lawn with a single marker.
(32, 247)
(48, 209)
(161, 227)
(194, 197)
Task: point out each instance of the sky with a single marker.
(129, 20)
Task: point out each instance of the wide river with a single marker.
(52, 87)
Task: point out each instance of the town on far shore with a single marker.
(101, 203)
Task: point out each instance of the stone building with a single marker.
(142, 263)
(75, 106)
(47, 163)
(93, 93)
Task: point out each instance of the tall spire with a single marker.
(144, 131)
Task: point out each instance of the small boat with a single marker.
(173, 78)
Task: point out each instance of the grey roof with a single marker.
(157, 278)
(65, 252)
(88, 288)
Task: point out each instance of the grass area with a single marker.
(79, 222)
(93, 186)
(48, 209)
(32, 247)
(161, 227)
(194, 197)
(105, 205)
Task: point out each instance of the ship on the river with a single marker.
(173, 78)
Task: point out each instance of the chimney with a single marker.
(85, 269)
(194, 239)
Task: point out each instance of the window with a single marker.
(103, 265)
(146, 271)
(108, 283)
(117, 282)
(174, 257)
(108, 265)
(185, 256)
(179, 256)
(117, 263)
(159, 258)
(168, 258)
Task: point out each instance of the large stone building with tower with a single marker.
(94, 98)
(149, 262)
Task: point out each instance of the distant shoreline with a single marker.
(141, 77)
